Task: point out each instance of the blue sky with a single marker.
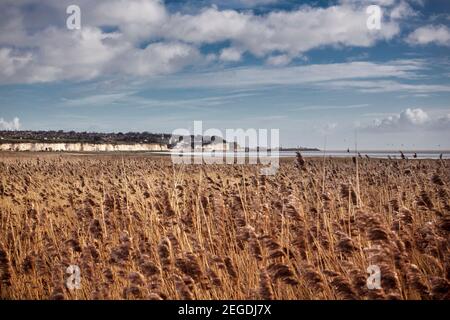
(309, 68)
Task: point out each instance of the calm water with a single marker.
(342, 154)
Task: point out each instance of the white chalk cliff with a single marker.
(81, 147)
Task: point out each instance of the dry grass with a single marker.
(141, 228)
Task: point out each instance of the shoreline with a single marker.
(238, 155)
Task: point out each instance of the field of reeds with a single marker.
(142, 228)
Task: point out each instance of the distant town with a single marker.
(83, 137)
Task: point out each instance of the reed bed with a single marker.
(142, 228)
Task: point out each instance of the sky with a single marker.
(312, 69)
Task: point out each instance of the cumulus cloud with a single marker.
(158, 58)
(136, 19)
(278, 60)
(90, 53)
(410, 119)
(11, 63)
(62, 55)
(292, 32)
(10, 125)
(402, 10)
(230, 54)
(439, 35)
(37, 47)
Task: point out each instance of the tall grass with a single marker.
(142, 228)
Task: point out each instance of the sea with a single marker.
(308, 154)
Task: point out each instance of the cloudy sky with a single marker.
(312, 69)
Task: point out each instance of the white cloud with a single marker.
(83, 54)
(136, 19)
(410, 119)
(293, 32)
(230, 54)
(439, 35)
(10, 125)
(49, 52)
(401, 11)
(11, 62)
(90, 53)
(414, 116)
(63, 55)
(158, 58)
(278, 60)
(208, 26)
